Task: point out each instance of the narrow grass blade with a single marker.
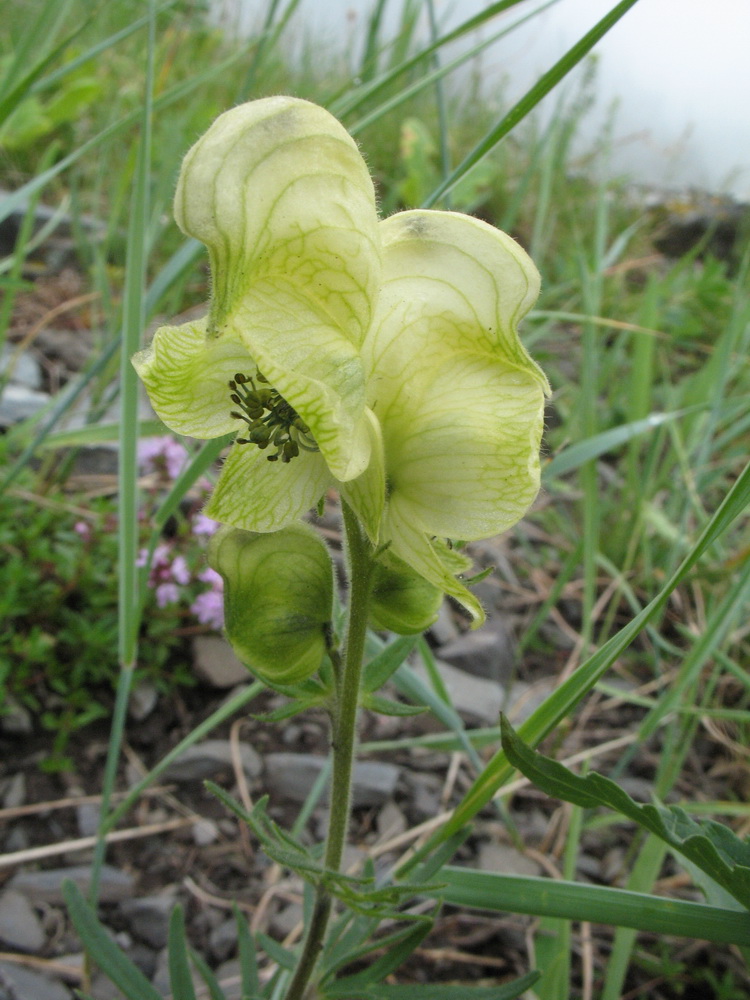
(541, 88)
(600, 444)
(347, 104)
(594, 903)
(248, 958)
(642, 878)
(228, 709)
(571, 692)
(102, 949)
(204, 970)
(133, 323)
(180, 978)
(381, 667)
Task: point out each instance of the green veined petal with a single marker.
(186, 372)
(366, 494)
(413, 545)
(464, 454)
(471, 271)
(258, 495)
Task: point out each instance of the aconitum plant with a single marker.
(377, 357)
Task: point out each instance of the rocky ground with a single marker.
(179, 844)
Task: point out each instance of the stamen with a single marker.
(270, 419)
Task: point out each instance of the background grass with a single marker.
(648, 356)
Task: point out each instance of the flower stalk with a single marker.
(343, 741)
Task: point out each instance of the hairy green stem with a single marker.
(343, 743)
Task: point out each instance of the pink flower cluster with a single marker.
(169, 573)
(208, 607)
(163, 455)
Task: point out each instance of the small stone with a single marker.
(488, 652)
(18, 402)
(20, 927)
(14, 791)
(215, 663)
(25, 368)
(424, 800)
(284, 922)
(223, 940)
(444, 629)
(142, 701)
(205, 760)
(474, 697)
(17, 839)
(15, 720)
(87, 816)
(293, 775)
(205, 832)
(148, 918)
(95, 460)
(524, 698)
(390, 822)
(588, 868)
(19, 983)
(46, 886)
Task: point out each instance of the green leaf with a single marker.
(394, 956)
(357, 944)
(594, 903)
(277, 843)
(98, 433)
(248, 958)
(126, 976)
(276, 952)
(180, 978)
(289, 710)
(207, 976)
(714, 848)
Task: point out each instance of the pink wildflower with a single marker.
(208, 608)
(203, 525)
(180, 571)
(163, 455)
(167, 593)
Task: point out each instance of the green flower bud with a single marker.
(403, 601)
(278, 599)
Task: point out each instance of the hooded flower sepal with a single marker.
(280, 195)
(278, 600)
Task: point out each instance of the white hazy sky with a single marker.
(679, 70)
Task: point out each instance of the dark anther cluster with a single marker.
(271, 420)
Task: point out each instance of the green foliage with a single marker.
(58, 601)
(41, 118)
(710, 846)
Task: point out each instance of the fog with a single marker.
(672, 76)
